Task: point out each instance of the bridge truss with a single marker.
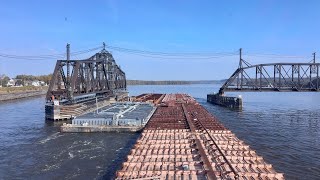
(97, 75)
(274, 77)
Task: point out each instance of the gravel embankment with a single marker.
(19, 95)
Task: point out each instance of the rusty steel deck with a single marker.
(182, 140)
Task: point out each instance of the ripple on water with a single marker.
(51, 137)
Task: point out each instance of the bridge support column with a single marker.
(226, 101)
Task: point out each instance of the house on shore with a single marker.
(11, 82)
(38, 83)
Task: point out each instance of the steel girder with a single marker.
(274, 77)
(97, 74)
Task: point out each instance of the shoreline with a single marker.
(21, 95)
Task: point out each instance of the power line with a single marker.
(46, 57)
(150, 54)
(172, 55)
(179, 54)
(275, 56)
(86, 51)
(178, 57)
(197, 55)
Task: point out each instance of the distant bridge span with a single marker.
(302, 77)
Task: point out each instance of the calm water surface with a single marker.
(282, 127)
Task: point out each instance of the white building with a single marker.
(35, 83)
(11, 82)
(38, 83)
(42, 83)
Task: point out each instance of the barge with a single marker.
(116, 117)
(182, 140)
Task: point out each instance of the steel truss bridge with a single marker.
(97, 75)
(302, 77)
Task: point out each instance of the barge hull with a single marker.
(90, 129)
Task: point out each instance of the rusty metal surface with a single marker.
(184, 141)
(99, 75)
(153, 98)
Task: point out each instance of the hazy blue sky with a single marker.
(44, 27)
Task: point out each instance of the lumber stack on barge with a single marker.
(182, 140)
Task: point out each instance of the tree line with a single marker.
(22, 78)
(143, 82)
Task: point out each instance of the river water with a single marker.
(284, 128)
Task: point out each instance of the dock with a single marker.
(182, 140)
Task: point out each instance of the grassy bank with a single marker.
(10, 90)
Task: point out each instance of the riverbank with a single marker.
(13, 93)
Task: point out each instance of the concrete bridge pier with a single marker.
(226, 101)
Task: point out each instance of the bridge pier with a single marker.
(226, 101)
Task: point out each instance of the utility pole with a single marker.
(314, 57)
(313, 68)
(104, 46)
(68, 73)
(240, 61)
(240, 66)
(68, 60)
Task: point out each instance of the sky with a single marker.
(41, 27)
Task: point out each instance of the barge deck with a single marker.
(116, 117)
(182, 140)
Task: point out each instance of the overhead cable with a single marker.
(48, 56)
